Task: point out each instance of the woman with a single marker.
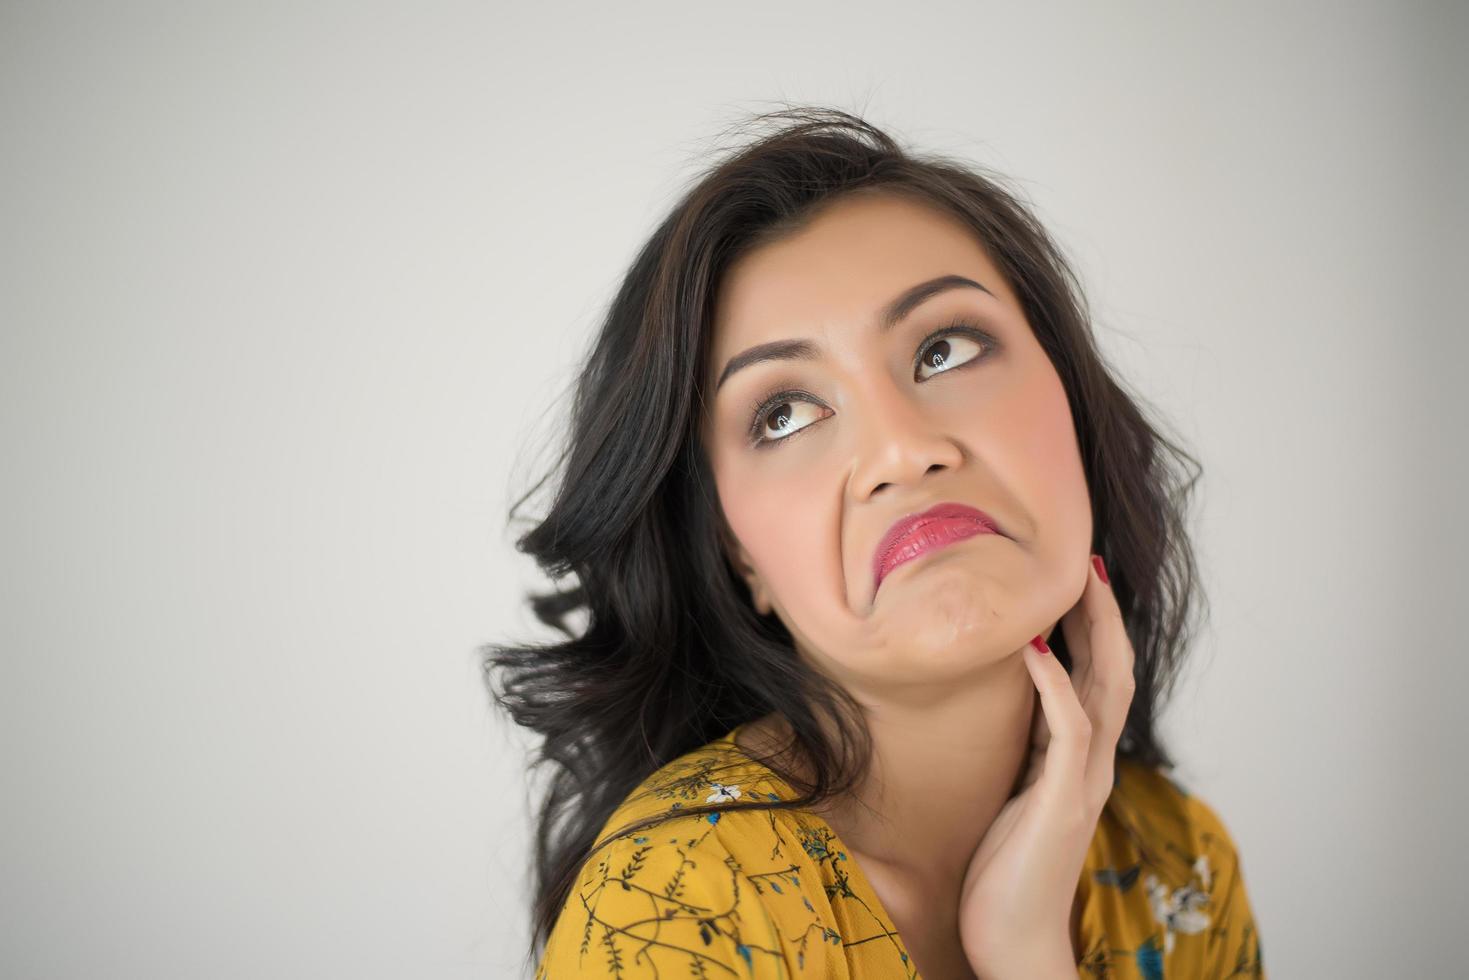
(885, 579)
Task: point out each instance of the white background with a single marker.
(290, 295)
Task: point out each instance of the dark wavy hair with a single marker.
(671, 654)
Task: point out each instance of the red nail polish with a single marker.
(1101, 569)
(1040, 644)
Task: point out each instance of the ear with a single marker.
(739, 560)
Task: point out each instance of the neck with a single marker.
(942, 767)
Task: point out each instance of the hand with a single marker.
(1016, 900)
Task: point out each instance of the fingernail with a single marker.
(1101, 569)
(1039, 644)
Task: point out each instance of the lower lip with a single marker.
(931, 537)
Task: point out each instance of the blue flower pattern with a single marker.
(773, 893)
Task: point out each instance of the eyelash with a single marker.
(960, 325)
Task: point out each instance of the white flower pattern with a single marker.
(820, 896)
(1181, 909)
(1201, 868)
(723, 793)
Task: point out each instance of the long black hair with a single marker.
(670, 653)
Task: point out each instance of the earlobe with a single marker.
(757, 595)
(730, 548)
(752, 582)
(739, 560)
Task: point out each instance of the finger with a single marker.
(1111, 682)
(1040, 738)
(1109, 650)
(1062, 776)
(1074, 628)
(1075, 625)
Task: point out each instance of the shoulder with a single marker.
(1163, 811)
(1164, 877)
(695, 893)
(717, 773)
(1155, 822)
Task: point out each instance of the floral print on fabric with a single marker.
(774, 893)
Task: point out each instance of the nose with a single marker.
(900, 442)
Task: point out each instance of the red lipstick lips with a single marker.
(915, 534)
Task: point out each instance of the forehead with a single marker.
(839, 270)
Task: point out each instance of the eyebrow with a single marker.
(805, 350)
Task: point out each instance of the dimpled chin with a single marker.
(946, 618)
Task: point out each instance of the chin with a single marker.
(950, 619)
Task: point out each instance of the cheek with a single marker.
(1043, 460)
(787, 523)
(1055, 431)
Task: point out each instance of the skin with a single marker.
(936, 655)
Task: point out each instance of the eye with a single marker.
(939, 350)
(942, 354)
(781, 412)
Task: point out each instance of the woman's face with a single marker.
(880, 422)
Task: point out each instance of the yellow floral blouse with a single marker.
(773, 893)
